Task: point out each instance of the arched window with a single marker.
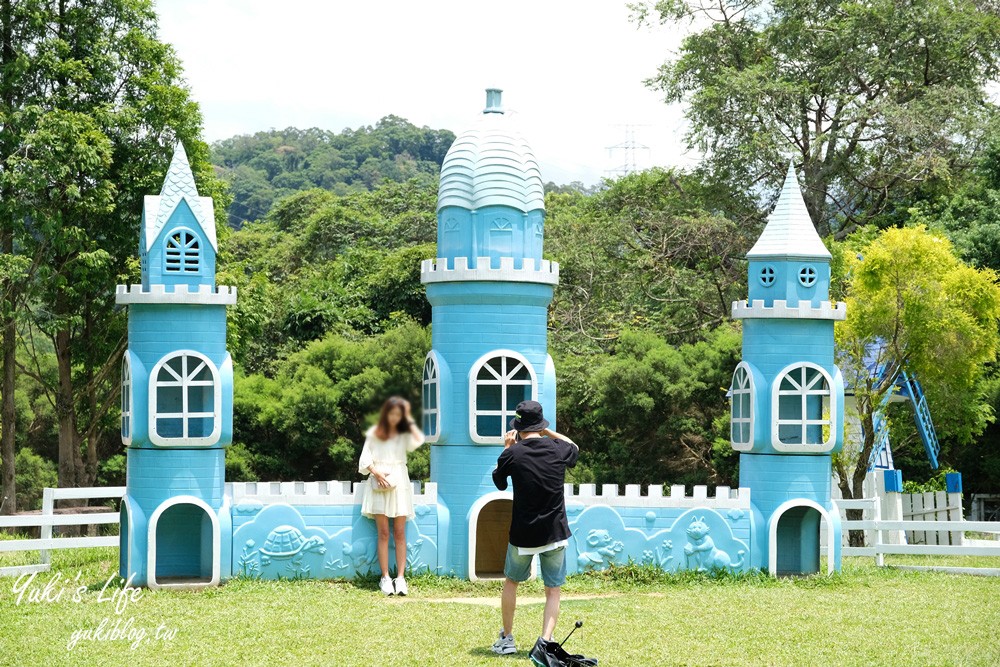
(182, 252)
(803, 410)
(185, 401)
(499, 381)
(741, 404)
(431, 398)
(126, 399)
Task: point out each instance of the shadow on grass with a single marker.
(487, 652)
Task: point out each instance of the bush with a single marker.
(34, 473)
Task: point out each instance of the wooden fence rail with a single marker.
(48, 518)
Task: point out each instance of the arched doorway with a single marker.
(795, 539)
(489, 530)
(183, 545)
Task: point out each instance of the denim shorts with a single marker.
(553, 566)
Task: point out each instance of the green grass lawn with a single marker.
(863, 616)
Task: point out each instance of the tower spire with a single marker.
(790, 231)
(178, 185)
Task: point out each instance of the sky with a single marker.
(572, 71)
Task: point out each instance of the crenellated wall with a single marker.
(315, 529)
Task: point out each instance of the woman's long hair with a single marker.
(382, 428)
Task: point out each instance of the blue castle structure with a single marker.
(177, 394)
(490, 290)
(787, 393)
(183, 525)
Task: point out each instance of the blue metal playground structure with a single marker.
(906, 387)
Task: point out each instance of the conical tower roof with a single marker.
(178, 185)
(789, 231)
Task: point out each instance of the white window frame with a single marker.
(503, 412)
(769, 272)
(127, 399)
(734, 393)
(810, 271)
(184, 415)
(431, 360)
(184, 250)
(776, 422)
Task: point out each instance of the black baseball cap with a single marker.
(528, 417)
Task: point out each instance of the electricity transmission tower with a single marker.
(624, 154)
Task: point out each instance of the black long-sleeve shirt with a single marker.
(537, 468)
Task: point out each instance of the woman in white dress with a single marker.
(388, 493)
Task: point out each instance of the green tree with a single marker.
(872, 99)
(651, 412)
(16, 28)
(100, 106)
(658, 250)
(268, 166)
(915, 306)
(308, 422)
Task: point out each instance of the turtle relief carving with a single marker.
(702, 554)
(287, 542)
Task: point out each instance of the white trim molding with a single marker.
(796, 310)
(151, 545)
(503, 382)
(805, 422)
(434, 362)
(201, 295)
(127, 400)
(437, 271)
(127, 506)
(772, 533)
(751, 389)
(474, 511)
(184, 381)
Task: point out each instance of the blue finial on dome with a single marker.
(493, 101)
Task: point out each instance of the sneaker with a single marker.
(542, 656)
(385, 585)
(401, 588)
(504, 645)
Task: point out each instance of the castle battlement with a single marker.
(798, 310)
(204, 295)
(349, 493)
(676, 496)
(315, 493)
(437, 271)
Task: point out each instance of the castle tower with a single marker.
(787, 393)
(490, 290)
(177, 395)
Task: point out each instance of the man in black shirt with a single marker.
(535, 459)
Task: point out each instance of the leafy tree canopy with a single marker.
(913, 305)
(870, 99)
(266, 166)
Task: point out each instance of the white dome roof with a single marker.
(491, 164)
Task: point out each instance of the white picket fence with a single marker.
(48, 518)
(932, 506)
(877, 546)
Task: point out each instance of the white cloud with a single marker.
(572, 70)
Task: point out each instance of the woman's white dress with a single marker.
(389, 458)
